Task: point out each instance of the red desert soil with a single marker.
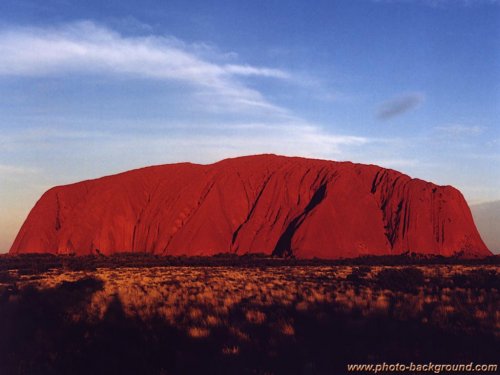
(257, 204)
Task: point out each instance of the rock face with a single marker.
(257, 204)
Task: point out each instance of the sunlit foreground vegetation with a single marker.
(301, 319)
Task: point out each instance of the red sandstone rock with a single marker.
(257, 204)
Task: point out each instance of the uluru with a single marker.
(276, 205)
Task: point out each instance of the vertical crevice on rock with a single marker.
(58, 213)
(252, 209)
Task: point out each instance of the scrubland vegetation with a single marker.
(254, 316)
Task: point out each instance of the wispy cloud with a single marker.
(86, 47)
(16, 170)
(247, 70)
(396, 163)
(459, 130)
(399, 105)
(217, 84)
(43, 137)
(210, 143)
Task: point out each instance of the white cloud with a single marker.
(85, 47)
(247, 70)
(89, 48)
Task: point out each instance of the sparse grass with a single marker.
(221, 319)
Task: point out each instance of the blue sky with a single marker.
(90, 89)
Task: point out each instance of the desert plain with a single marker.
(132, 314)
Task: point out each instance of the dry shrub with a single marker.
(198, 332)
(286, 328)
(302, 306)
(255, 316)
(195, 313)
(212, 321)
(231, 350)
(239, 334)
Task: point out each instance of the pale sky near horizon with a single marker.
(91, 88)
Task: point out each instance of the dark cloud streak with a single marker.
(399, 105)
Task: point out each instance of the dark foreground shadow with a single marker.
(40, 336)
